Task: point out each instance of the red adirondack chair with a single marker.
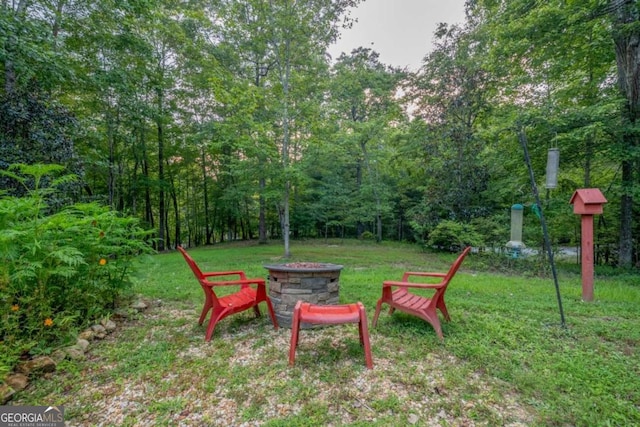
(425, 308)
(251, 293)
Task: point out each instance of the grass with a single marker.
(505, 359)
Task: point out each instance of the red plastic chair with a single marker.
(424, 308)
(305, 312)
(251, 293)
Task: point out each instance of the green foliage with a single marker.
(367, 235)
(187, 112)
(59, 270)
(34, 129)
(494, 230)
(452, 235)
(450, 161)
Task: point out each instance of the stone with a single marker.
(74, 353)
(314, 282)
(37, 366)
(17, 381)
(86, 335)
(58, 355)
(98, 328)
(291, 300)
(317, 283)
(109, 325)
(120, 314)
(99, 331)
(139, 306)
(6, 393)
(298, 291)
(82, 344)
(276, 286)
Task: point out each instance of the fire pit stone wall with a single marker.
(317, 283)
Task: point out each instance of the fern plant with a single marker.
(61, 269)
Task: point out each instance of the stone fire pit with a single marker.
(314, 282)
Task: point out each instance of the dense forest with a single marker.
(217, 120)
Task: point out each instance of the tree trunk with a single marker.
(262, 227)
(57, 22)
(148, 208)
(625, 254)
(176, 209)
(627, 43)
(359, 171)
(111, 182)
(262, 220)
(206, 198)
(588, 150)
(161, 201)
(285, 153)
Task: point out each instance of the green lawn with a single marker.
(505, 359)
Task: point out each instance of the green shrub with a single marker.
(453, 236)
(367, 235)
(495, 230)
(60, 270)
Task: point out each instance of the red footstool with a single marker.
(305, 312)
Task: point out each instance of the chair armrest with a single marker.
(241, 274)
(406, 275)
(259, 282)
(389, 283)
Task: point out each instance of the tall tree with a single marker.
(280, 45)
(245, 39)
(301, 32)
(364, 101)
(450, 97)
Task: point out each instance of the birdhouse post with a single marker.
(587, 202)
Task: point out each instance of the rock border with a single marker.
(44, 366)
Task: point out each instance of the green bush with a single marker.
(495, 230)
(367, 235)
(60, 270)
(453, 236)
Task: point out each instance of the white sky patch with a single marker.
(401, 31)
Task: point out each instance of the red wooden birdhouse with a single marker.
(587, 201)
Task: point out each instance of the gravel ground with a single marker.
(196, 391)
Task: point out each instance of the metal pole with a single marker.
(522, 137)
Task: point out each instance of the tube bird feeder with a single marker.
(515, 244)
(553, 164)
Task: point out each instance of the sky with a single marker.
(399, 30)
